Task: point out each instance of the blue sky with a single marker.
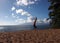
(22, 11)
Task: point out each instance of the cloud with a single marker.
(32, 19)
(13, 15)
(49, 20)
(29, 19)
(6, 23)
(35, 0)
(25, 2)
(46, 21)
(13, 8)
(19, 11)
(22, 12)
(39, 21)
(20, 21)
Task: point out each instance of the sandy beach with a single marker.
(31, 36)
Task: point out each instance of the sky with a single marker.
(14, 12)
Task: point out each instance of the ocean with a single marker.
(22, 27)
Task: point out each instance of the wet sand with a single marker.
(31, 36)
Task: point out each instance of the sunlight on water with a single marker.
(1, 27)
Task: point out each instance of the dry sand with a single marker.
(31, 36)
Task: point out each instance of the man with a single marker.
(35, 22)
